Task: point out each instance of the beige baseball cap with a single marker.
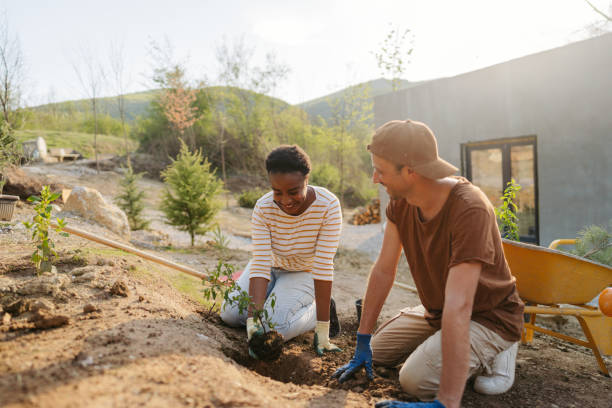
(412, 144)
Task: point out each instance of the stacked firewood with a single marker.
(369, 215)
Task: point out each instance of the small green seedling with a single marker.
(219, 284)
(506, 212)
(220, 240)
(40, 230)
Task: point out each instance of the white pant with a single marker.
(295, 309)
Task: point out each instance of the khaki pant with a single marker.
(408, 338)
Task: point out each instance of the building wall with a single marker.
(563, 96)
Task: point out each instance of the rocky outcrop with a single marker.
(23, 185)
(90, 204)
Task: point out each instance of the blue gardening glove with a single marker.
(362, 357)
(252, 328)
(321, 339)
(400, 404)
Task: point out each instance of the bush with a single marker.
(248, 198)
(40, 227)
(189, 201)
(595, 242)
(130, 200)
(327, 176)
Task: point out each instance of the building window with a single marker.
(491, 164)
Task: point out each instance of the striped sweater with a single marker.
(305, 242)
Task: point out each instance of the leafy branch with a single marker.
(506, 212)
(221, 285)
(41, 257)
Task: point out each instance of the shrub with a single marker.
(189, 201)
(131, 199)
(595, 242)
(248, 198)
(327, 176)
(40, 234)
(506, 212)
(8, 151)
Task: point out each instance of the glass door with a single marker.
(491, 165)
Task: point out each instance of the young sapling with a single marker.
(40, 230)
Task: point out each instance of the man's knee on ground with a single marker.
(385, 358)
(416, 382)
(386, 354)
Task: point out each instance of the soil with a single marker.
(267, 346)
(123, 331)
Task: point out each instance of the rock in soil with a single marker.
(6, 319)
(44, 285)
(119, 288)
(43, 320)
(89, 308)
(267, 346)
(18, 307)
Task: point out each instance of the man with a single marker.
(471, 316)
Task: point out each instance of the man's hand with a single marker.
(321, 339)
(400, 404)
(253, 328)
(362, 358)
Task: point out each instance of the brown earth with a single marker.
(132, 333)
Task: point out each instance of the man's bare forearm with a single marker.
(455, 355)
(379, 285)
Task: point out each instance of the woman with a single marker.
(295, 231)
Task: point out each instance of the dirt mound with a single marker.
(24, 185)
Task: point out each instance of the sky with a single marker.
(327, 44)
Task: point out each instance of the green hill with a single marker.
(320, 106)
(81, 142)
(136, 103)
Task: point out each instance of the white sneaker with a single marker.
(502, 378)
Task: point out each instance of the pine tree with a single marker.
(131, 199)
(191, 188)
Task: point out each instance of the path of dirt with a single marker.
(158, 346)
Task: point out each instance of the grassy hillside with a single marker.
(81, 142)
(320, 106)
(135, 103)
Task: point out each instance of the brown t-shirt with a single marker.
(465, 230)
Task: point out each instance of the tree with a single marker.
(8, 151)
(598, 11)
(351, 113)
(248, 111)
(189, 200)
(12, 68)
(130, 200)
(178, 99)
(90, 74)
(120, 81)
(393, 55)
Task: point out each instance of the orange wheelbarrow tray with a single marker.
(552, 282)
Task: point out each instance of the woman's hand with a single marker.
(321, 339)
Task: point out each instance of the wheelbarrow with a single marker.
(552, 282)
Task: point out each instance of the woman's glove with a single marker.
(253, 328)
(321, 339)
